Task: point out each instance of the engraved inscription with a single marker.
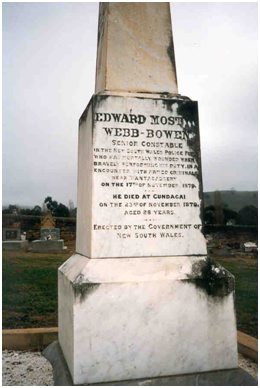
(146, 174)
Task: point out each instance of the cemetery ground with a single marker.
(30, 288)
(245, 270)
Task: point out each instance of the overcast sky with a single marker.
(49, 54)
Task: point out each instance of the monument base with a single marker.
(41, 246)
(232, 377)
(130, 318)
(15, 245)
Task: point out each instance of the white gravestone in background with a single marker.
(140, 298)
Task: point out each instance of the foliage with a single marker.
(11, 209)
(14, 209)
(235, 200)
(248, 215)
(245, 272)
(36, 211)
(61, 211)
(209, 215)
(57, 209)
(228, 214)
(51, 205)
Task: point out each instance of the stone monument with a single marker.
(50, 237)
(48, 230)
(11, 234)
(140, 298)
(13, 240)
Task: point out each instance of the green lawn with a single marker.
(30, 290)
(245, 272)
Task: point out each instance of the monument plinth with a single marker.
(140, 298)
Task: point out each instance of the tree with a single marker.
(248, 215)
(57, 209)
(36, 211)
(25, 211)
(230, 215)
(219, 216)
(61, 211)
(51, 205)
(12, 209)
(209, 215)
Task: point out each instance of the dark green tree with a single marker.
(51, 205)
(36, 211)
(12, 209)
(57, 209)
(25, 211)
(248, 215)
(61, 211)
(230, 215)
(209, 215)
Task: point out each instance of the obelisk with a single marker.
(140, 298)
(135, 49)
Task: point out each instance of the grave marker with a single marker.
(12, 239)
(48, 230)
(11, 234)
(50, 240)
(140, 298)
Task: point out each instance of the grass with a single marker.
(30, 289)
(245, 272)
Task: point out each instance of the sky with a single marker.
(49, 57)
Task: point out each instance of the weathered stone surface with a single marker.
(47, 246)
(140, 299)
(11, 234)
(135, 48)
(48, 221)
(145, 317)
(140, 191)
(14, 245)
(50, 233)
(232, 377)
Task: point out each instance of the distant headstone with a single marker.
(50, 234)
(13, 239)
(11, 234)
(141, 259)
(46, 246)
(50, 237)
(48, 221)
(48, 230)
